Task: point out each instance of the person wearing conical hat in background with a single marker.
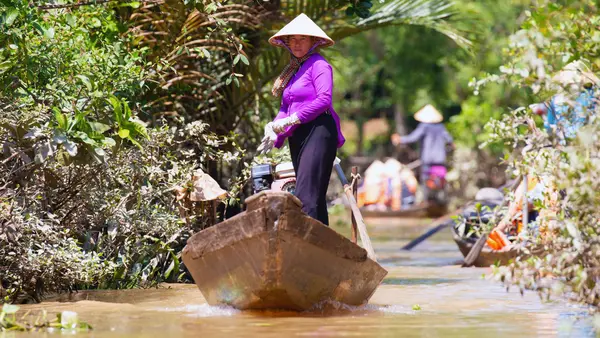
(433, 137)
(569, 110)
(306, 118)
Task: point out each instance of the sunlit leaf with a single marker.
(10, 15)
(86, 81)
(10, 309)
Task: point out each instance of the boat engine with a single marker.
(262, 177)
(275, 178)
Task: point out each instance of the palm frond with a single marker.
(433, 14)
(196, 54)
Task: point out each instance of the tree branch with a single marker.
(87, 3)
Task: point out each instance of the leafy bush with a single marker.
(86, 193)
(569, 232)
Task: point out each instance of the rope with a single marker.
(355, 179)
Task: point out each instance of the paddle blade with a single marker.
(434, 227)
(475, 251)
(426, 235)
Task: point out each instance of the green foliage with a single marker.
(87, 200)
(106, 109)
(66, 321)
(551, 36)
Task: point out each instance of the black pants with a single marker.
(313, 147)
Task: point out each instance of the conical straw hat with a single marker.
(301, 25)
(429, 114)
(576, 72)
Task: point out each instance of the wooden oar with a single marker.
(362, 227)
(476, 249)
(435, 226)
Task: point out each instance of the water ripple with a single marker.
(203, 310)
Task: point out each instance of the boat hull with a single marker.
(488, 256)
(273, 256)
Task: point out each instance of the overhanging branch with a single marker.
(87, 3)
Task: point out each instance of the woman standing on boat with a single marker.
(306, 118)
(433, 137)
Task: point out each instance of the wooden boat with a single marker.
(273, 256)
(418, 211)
(488, 256)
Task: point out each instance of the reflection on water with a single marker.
(453, 302)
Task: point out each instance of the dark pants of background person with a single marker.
(313, 147)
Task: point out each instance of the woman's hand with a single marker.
(280, 125)
(268, 140)
(396, 139)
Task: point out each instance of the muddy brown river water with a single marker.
(453, 302)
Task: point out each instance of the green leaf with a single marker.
(95, 22)
(117, 109)
(350, 11)
(99, 127)
(109, 142)
(228, 81)
(126, 111)
(39, 28)
(10, 309)
(244, 59)
(133, 4)
(99, 151)
(236, 59)
(363, 12)
(49, 33)
(5, 65)
(10, 16)
(135, 143)
(211, 7)
(85, 138)
(206, 53)
(86, 81)
(365, 4)
(71, 20)
(123, 133)
(140, 129)
(169, 269)
(60, 118)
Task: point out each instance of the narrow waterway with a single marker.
(426, 294)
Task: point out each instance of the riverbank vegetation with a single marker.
(108, 106)
(553, 36)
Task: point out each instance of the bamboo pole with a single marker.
(355, 193)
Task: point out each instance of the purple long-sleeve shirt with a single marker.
(434, 137)
(308, 94)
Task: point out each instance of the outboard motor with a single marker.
(262, 177)
(285, 178)
(276, 178)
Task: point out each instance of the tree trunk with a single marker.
(360, 123)
(399, 118)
